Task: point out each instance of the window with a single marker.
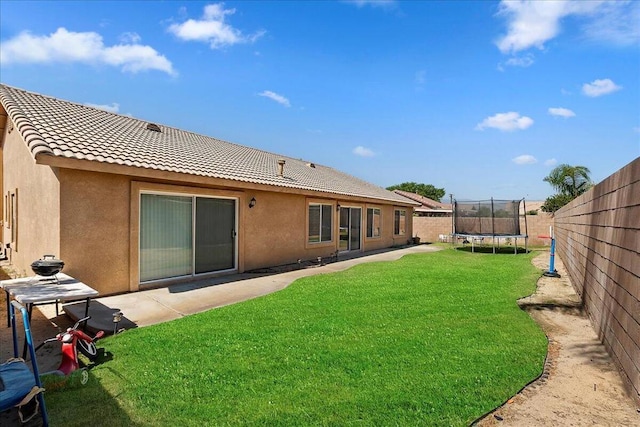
(373, 222)
(320, 223)
(400, 222)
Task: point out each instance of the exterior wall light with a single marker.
(338, 207)
(252, 202)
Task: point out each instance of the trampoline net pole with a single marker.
(493, 219)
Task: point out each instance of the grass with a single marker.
(431, 339)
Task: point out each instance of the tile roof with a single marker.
(65, 129)
(424, 201)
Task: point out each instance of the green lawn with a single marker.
(431, 339)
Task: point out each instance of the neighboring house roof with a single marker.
(421, 209)
(429, 204)
(65, 129)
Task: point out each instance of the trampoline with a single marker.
(475, 221)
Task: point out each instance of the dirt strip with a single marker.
(580, 385)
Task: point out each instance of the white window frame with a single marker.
(379, 213)
(331, 217)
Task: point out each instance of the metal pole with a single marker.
(493, 220)
(552, 271)
(526, 229)
(479, 218)
(453, 214)
(493, 226)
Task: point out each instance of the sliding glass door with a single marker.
(166, 244)
(185, 235)
(215, 234)
(350, 225)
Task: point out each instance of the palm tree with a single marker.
(570, 180)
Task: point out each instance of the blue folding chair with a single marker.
(18, 384)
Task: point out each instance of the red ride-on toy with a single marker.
(73, 340)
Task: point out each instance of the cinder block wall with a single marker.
(598, 239)
(537, 225)
(429, 228)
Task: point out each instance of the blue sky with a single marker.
(481, 98)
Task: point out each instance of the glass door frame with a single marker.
(193, 197)
(349, 228)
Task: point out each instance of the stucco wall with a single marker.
(37, 202)
(275, 229)
(94, 228)
(598, 239)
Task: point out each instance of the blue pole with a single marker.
(552, 270)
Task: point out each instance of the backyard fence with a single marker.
(598, 239)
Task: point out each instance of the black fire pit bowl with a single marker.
(47, 266)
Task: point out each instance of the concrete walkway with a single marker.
(158, 305)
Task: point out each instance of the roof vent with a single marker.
(153, 127)
(311, 165)
(281, 163)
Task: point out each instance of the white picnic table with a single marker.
(35, 290)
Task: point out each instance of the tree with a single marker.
(569, 182)
(555, 202)
(425, 190)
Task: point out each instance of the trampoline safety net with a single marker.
(487, 217)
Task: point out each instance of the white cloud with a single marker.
(550, 162)
(113, 108)
(600, 87)
(373, 3)
(276, 97)
(533, 23)
(420, 77)
(521, 61)
(617, 23)
(506, 122)
(130, 38)
(561, 112)
(525, 159)
(68, 46)
(363, 152)
(213, 29)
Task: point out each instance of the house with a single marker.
(432, 220)
(128, 204)
(428, 207)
